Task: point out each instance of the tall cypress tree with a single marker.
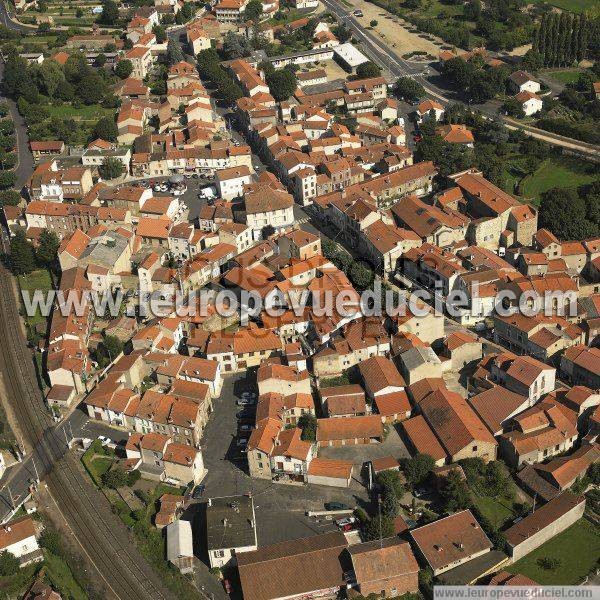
(575, 38)
(583, 38)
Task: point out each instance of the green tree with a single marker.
(7, 179)
(124, 68)
(91, 88)
(253, 11)
(46, 252)
(368, 69)
(21, 254)
(174, 52)
(48, 76)
(308, 424)
(282, 83)
(513, 108)
(229, 91)
(110, 13)
(361, 275)
(106, 129)
(390, 482)
(417, 468)
(390, 506)
(377, 527)
(9, 563)
(115, 478)
(373, 22)
(235, 46)
(408, 89)
(342, 33)
(109, 348)
(455, 493)
(161, 33)
(51, 540)
(9, 198)
(564, 212)
(111, 168)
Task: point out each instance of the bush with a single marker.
(133, 477)
(115, 478)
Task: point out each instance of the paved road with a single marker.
(5, 19)
(25, 163)
(439, 89)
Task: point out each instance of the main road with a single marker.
(399, 67)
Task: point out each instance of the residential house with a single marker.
(230, 529)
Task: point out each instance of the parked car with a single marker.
(246, 428)
(417, 138)
(246, 413)
(248, 395)
(358, 13)
(104, 440)
(420, 492)
(198, 491)
(347, 521)
(336, 506)
(246, 401)
(242, 442)
(227, 586)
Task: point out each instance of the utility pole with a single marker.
(379, 506)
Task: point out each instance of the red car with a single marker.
(417, 138)
(227, 585)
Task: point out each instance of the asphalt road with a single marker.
(437, 87)
(5, 19)
(25, 163)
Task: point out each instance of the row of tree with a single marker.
(561, 39)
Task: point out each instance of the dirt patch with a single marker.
(390, 30)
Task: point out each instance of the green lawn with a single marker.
(497, 510)
(576, 6)
(59, 574)
(85, 113)
(568, 76)
(97, 461)
(566, 173)
(36, 280)
(577, 548)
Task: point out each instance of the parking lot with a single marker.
(280, 508)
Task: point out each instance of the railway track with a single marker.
(103, 537)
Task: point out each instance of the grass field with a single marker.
(569, 76)
(566, 173)
(85, 113)
(576, 6)
(497, 510)
(577, 548)
(36, 280)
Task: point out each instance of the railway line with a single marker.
(103, 537)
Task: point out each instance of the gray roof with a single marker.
(179, 540)
(105, 249)
(230, 523)
(417, 356)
